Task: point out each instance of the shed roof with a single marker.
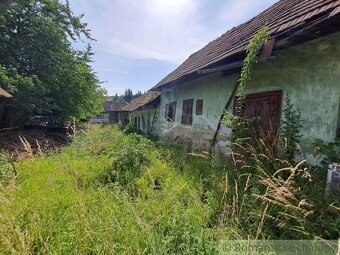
(280, 17)
(4, 93)
(144, 99)
(114, 106)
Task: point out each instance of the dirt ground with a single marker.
(23, 144)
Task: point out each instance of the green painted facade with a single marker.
(308, 73)
(146, 119)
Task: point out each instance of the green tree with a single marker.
(128, 95)
(36, 38)
(138, 94)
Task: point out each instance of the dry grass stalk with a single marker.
(259, 229)
(27, 146)
(39, 148)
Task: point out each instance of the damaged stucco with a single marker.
(148, 119)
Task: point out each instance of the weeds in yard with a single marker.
(111, 193)
(269, 197)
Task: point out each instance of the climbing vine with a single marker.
(238, 124)
(253, 50)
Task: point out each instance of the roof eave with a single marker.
(237, 65)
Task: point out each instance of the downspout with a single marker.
(226, 107)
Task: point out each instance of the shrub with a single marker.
(130, 129)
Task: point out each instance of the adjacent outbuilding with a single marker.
(113, 113)
(143, 112)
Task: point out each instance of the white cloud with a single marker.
(168, 30)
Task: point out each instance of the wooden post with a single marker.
(222, 116)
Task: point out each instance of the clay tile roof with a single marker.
(4, 93)
(281, 16)
(144, 99)
(114, 106)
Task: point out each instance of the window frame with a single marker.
(167, 111)
(199, 107)
(187, 112)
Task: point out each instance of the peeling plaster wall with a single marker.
(215, 91)
(147, 115)
(308, 73)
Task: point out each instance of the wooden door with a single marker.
(267, 107)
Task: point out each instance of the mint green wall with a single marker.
(148, 114)
(213, 89)
(308, 73)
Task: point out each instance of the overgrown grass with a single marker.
(268, 197)
(113, 193)
(110, 193)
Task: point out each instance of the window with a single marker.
(170, 111)
(199, 107)
(187, 111)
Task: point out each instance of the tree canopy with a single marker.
(129, 96)
(38, 64)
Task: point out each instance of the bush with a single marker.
(130, 129)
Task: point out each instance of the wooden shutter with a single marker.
(199, 107)
(266, 106)
(187, 111)
(170, 111)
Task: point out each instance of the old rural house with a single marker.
(301, 59)
(113, 113)
(5, 97)
(144, 111)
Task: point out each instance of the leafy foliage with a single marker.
(242, 127)
(329, 152)
(130, 129)
(253, 49)
(36, 40)
(290, 129)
